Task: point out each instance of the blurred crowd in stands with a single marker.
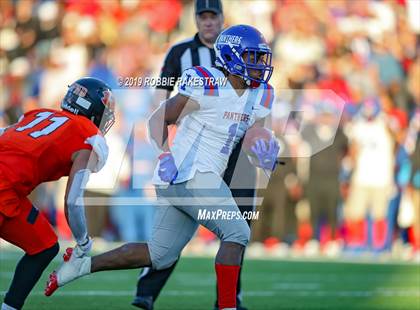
(362, 193)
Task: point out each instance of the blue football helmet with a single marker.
(242, 41)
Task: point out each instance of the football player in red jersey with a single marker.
(43, 146)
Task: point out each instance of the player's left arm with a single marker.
(84, 162)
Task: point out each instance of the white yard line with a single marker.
(413, 292)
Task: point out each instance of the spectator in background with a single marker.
(412, 144)
(332, 78)
(27, 29)
(372, 149)
(68, 59)
(389, 69)
(300, 46)
(98, 68)
(324, 168)
(398, 125)
(414, 191)
(409, 178)
(413, 86)
(14, 88)
(361, 78)
(278, 220)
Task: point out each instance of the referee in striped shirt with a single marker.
(198, 51)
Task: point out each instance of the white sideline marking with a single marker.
(413, 292)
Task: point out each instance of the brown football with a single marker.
(252, 135)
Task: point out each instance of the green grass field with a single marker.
(267, 285)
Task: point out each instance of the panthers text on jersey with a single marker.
(206, 137)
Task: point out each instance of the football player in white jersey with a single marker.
(212, 118)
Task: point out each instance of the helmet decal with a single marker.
(78, 90)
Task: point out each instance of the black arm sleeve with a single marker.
(171, 69)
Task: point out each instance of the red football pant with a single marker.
(29, 229)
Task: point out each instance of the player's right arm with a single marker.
(175, 108)
(170, 112)
(84, 161)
